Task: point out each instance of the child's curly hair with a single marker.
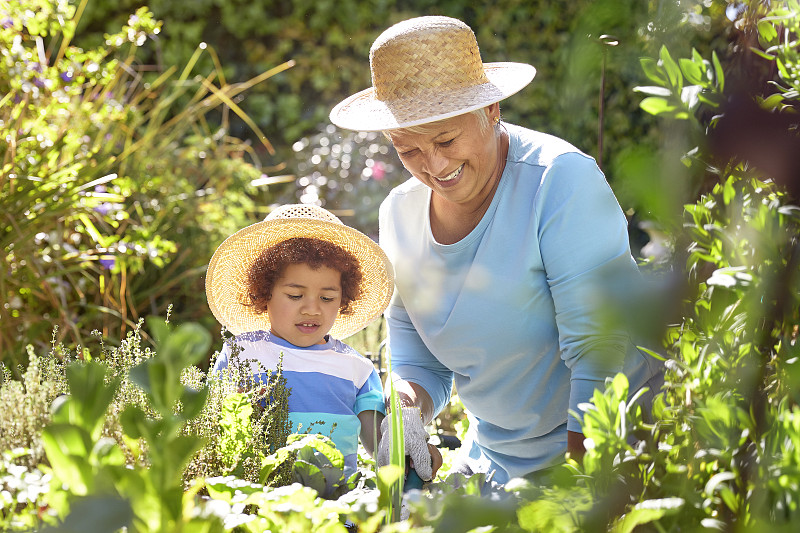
(271, 263)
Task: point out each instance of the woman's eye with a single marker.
(445, 144)
(407, 153)
(294, 296)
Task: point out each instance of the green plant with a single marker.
(721, 451)
(87, 465)
(25, 405)
(23, 492)
(112, 195)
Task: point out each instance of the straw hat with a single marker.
(226, 280)
(426, 69)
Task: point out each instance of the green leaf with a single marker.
(651, 353)
(694, 72)
(70, 439)
(193, 402)
(620, 387)
(140, 375)
(767, 33)
(308, 473)
(656, 105)
(646, 512)
(67, 448)
(718, 72)
(95, 513)
(107, 452)
(185, 346)
(134, 422)
(158, 328)
(90, 395)
(728, 191)
(226, 487)
(772, 102)
(652, 70)
(671, 68)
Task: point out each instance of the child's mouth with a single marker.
(307, 327)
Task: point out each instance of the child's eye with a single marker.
(326, 298)
(294, 296)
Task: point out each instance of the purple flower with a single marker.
(7, 23)
(103, 208)
(66, 77)
(108, 261)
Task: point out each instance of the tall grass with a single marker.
(114, 180)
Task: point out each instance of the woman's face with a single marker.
(456, 158)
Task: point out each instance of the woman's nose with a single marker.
(436, 163)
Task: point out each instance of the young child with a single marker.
(292, 284)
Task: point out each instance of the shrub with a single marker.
(113, 197)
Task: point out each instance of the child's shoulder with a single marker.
(249, 336)
(342, 347)
(250, 343)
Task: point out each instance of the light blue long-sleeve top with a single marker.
(517, 312)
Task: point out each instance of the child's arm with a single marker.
(370, 430)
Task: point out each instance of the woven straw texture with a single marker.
(226, 279)
(426, 69)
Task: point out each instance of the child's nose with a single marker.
(311, 307)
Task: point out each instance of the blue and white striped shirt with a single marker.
(330, 385)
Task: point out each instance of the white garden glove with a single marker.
(416, 442)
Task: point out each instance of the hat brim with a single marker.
(364, 112)
(226, 278)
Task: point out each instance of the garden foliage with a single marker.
(150, 439)
(329, 41)
(112, 197)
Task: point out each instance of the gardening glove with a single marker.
(416, 442)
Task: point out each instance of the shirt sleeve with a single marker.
(584, 246)
(412, 361)
(410, 358)
(222, 360)
(370, 396)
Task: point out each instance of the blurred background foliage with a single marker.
(330, 41)
(134, 147)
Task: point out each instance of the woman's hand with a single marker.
(415, 444)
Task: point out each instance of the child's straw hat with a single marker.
(426, 69)
(226, 280)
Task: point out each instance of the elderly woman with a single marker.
(505, 243)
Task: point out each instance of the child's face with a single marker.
(304, 304)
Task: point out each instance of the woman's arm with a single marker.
(370, 430)
(413, 395)
(584, 246)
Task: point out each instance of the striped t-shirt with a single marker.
(330, 384)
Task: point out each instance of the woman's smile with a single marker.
(451, 176)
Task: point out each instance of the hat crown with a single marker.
(304, 211)
(425, 56)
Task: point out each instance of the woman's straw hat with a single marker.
(226, 280)
(426, 69)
